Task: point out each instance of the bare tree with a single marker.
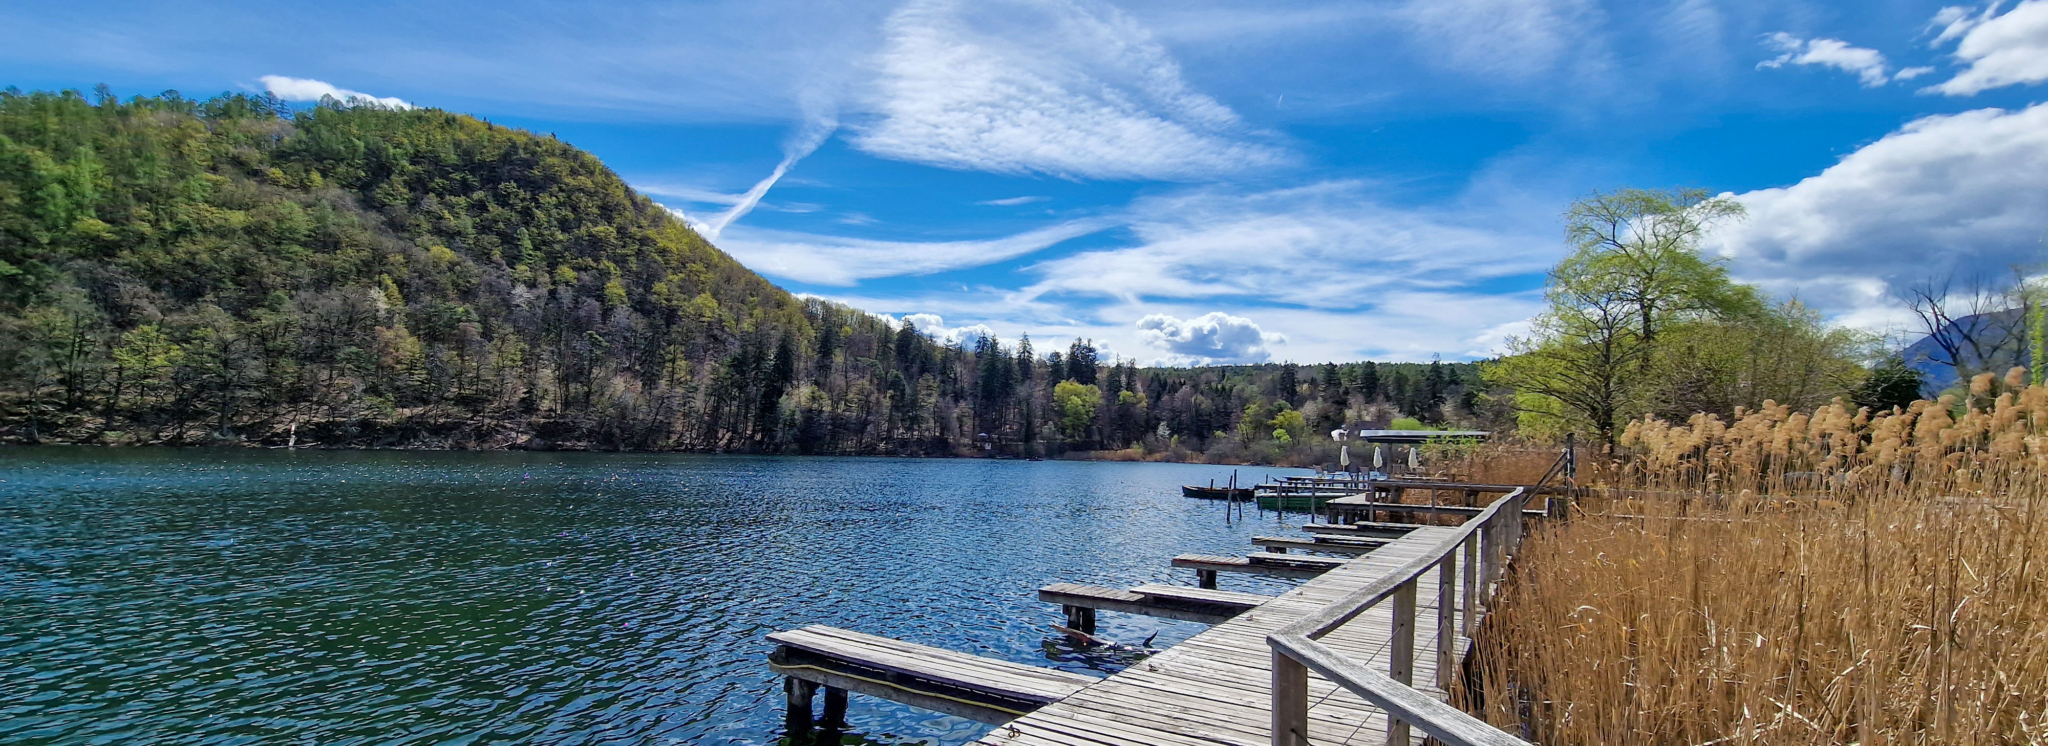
(1972, 329)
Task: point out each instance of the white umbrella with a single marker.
(1379, 459)
(1344, 457)
(1414, 457)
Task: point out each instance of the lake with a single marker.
(345, 597)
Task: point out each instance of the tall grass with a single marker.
(1833, 576)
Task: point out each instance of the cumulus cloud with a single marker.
(1046, 86)
(1210, 339)
(306, 89)
(934, 326)
(1965, 192)
(1995, 50)
(838, 260)
(1867, 65)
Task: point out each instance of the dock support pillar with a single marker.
(1206, 579)
(834, 719)
(798, 720)
(1080, 618)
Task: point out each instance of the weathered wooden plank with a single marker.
(1215, 689)
(1000, 678)
(1311, 545)
(1200, 594)
(1206, 611)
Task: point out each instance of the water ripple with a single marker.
(228, 597)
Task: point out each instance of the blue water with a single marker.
(230, 596)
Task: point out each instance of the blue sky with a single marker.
(1199, 181)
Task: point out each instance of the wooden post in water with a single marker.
(1081, 618)
(1206, 579)
(832, 725)
(798, 720)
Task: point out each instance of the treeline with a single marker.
(228, 270)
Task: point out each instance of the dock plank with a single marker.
(1214, 689)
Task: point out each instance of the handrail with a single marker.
(1488, 540)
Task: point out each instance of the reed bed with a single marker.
(1835, 576)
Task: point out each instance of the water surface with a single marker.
(228, 596)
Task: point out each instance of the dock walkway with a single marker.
(1215, 689)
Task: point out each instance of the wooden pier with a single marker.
(1325, 663)
(1215, 688)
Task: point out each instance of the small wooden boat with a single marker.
(1217, 493)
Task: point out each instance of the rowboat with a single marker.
(1216, 493)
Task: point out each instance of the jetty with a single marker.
(1363, 651)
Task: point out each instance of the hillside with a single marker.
(180, 271)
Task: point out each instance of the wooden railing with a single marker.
(1486, 542)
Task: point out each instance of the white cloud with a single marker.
(304, 89)
(1210, 339)
(817, 126)
(1997, 51)
(1046, 86)
(1011, 201)
(837, 260)
(934, 326)
(1966, 193)
(1506, 39)
(1866, 64)
(1328, 245)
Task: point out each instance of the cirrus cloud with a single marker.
(1049, 87)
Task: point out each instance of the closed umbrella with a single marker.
(1344, 457)
(1379, 459)
(1414, 457)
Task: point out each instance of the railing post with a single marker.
(1446, 620)
(1290, 700)
(1471, 586)
(1401, 654)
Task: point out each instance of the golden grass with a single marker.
(1789, 578)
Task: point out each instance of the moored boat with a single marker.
(1217, 493)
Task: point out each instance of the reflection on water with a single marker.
(202, 596)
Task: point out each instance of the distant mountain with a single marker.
(1991, 342)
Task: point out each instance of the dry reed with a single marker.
(1832, 576)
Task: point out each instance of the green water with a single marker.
(227, 596)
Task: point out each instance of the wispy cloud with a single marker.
(306, 89)
(1518, 40)
(1011, 201)
(1050, 87)
(1327, 245)
(838, 260)
(817, 126)
(1996, 50)
(1868, 65)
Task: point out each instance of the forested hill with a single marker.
(184, 271)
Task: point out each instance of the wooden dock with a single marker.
(1215, 689)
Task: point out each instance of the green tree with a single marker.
(1075, 403)
(1634, 267)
